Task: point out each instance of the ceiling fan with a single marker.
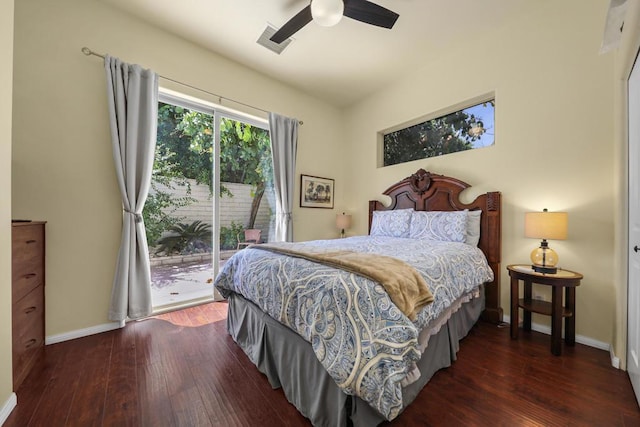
(329, 12)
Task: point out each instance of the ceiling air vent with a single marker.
(274, 47)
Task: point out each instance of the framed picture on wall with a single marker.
(316, 192)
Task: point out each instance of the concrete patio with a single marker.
(179, 280)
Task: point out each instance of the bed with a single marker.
(343, 352)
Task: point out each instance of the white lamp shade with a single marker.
(343, 221)
(327, 13)
(546, 225)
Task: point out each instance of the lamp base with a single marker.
(544, 270)
(544, 259)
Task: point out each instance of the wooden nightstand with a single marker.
(566, 279)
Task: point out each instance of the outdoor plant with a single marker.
(186, 239)
(159, 211)
(184, 153)
(229, 236)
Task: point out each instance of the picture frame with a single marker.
(316, 192)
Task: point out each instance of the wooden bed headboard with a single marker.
(426, 191)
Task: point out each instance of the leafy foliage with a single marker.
(186, 239)
(245, 153)
(185, 150)
(229, 236)
(448, 134)
(157, 213)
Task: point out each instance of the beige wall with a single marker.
(62, 163)
(553, 139)
(6, 71)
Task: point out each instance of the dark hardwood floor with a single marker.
(182, 369)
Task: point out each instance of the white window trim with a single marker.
(177, 98)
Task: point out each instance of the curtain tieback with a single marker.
(137, 216)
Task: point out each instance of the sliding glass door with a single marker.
(212, 180)
(246, 201)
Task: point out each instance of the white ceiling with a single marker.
(341, 64)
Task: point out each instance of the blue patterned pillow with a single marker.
(437, 225)
(391, 223)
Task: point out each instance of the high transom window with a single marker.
(465, 129)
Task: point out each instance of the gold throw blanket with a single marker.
(406, 287)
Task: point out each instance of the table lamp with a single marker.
(545, 225)
(343, 221)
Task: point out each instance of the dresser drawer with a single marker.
(26, 281)
(27, 260)
(27, 242)
(28, 331)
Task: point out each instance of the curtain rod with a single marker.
(89, 52)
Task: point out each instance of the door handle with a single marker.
(636, 248)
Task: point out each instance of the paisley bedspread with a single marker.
(366, 344)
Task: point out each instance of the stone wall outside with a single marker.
(232, 209)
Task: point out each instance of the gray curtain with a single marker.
(284, 143)
(133, 113)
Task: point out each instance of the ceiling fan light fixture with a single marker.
(327, 13)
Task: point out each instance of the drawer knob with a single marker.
(30, 241)
(30, 310)
(30, 275)
(30, 343)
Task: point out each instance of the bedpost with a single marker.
(492, 247)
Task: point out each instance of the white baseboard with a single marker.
(579, 339)
(79, 333)
(8, 406)
(615, 361)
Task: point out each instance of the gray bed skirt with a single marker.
(289, 362)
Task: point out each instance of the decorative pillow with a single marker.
(439, 225)
(391, 223)
(473, 228)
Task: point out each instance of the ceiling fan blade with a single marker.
(370, 13)
(293, 25)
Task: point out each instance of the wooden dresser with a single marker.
(27, 296)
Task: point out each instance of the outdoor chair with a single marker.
(251, 236)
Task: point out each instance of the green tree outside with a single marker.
(185, 151)
(448, 134)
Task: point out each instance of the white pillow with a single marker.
(473, 228)
(391, 223)
(442, 226)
